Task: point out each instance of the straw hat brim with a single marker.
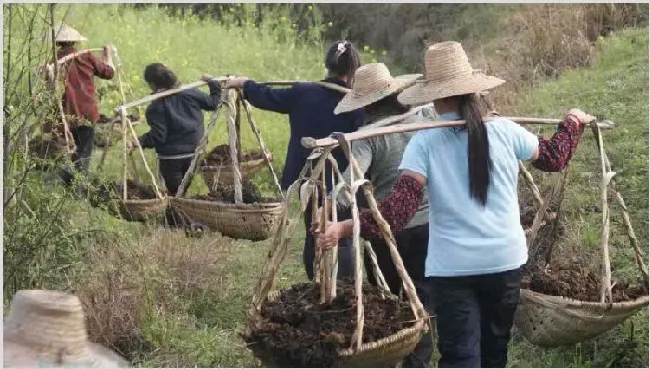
(428, 91)
(352, 101)
(16, 355)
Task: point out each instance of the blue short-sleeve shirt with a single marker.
(464, 237)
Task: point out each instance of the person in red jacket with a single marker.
(79, 100)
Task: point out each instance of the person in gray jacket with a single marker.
(375, 91)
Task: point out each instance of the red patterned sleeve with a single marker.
(398, 208)
(554, 154)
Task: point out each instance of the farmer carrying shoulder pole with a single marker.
(79, 102)
(375, 91)
(310, 108)
(476, 242)
(177, 127)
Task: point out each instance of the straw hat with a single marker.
(373, 82)
(448, 73)
(65, 33)
(47, 329)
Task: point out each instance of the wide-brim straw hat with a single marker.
(373, 82)
(48, 329)
(448, 73)
(65, 33)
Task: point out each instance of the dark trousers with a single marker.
(84, 137)
(474, 316)
(173, 171)
(346, 254)
(412, 244)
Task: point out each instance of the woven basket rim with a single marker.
(243, 162)
(241, 207)
(145, 201)
(228, 167)
(569, 302)
(395, 337)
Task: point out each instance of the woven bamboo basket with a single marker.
(253, 222)
(552, 321)
(142, 210)
(46, 149)
(224, 174)
(384, 353)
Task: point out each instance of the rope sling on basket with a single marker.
(379, 352)
(133, 209)
(551, 321)
(252, 221)
(384, 351)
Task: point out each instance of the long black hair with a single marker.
(342, 59)
(478, 147)
(387, 106)
(160, 76)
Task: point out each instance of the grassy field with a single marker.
(191, 47)
(169, 301)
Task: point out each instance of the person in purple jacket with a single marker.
(311, 114)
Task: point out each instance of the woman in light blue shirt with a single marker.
(476, 242)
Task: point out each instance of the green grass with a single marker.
(191, 306)
(191, 47)
(205, 333)
(615, 87)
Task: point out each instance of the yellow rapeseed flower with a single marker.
(384, 52)
(366, 47)
(329, 24)
(310, 7)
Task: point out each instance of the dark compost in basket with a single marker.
(297, 331)
(566, 276)
(220, 155)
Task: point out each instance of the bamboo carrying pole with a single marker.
(157, 96)
(606, 287)
(331, 86)
(258, 136)
(69, 139)
(230, 103)
(311, 143)
(125, 153)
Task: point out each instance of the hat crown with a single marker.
(371, 78)
(446, 61)
(49, 322)
(65, 33)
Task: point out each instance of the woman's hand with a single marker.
(579, 117)
(206, 78)
(333, 232)
(235, 82)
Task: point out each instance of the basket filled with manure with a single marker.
(297, 330)
(563, 300)
(330, 322)
(256, 218)
(108, 131)
(141, 202)
(216, 166)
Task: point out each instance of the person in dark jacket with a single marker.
(176, 126)
(79, 97)
(311, 114)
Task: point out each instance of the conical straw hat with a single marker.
(373, 82)
(47, 329)
(448, 73)
(65, 33)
